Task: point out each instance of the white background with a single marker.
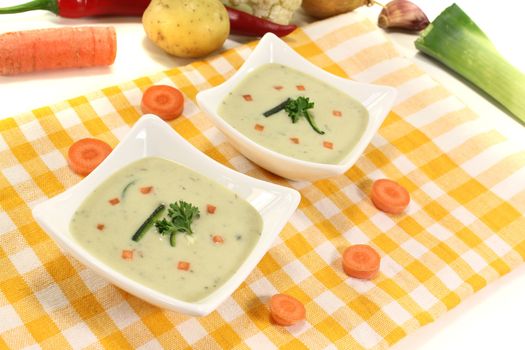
(491, 319)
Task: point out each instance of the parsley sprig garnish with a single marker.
(296, 108)
(180, 217)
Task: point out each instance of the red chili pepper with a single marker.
(83, 8)
(241, 23)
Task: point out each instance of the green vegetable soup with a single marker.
(167, 227)
(295, 114)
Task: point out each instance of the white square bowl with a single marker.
(151, 136)
(377, 99)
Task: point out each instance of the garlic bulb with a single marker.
(402, 14)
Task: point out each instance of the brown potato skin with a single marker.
(187, 28)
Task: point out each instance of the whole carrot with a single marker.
(56, 48)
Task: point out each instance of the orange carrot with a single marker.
(183, 265)
(100, 227)
(336, 113)
(55, 48)
(300, 87)
(127, 254)
(211, 209)
(114, 201)
(163, 100)
(389, 196)
(247, 98)
(217, 239)
(286, 310)
(294, 140)
(259, 127)
(86, 154)
(328, 144)
(361, 261)
(278, 87)
(146, 190)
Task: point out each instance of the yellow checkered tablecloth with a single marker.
(463, 228)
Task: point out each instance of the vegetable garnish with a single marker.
(259, 127)
(146, 190)
(100, 227)
(127, 254)
(336, 113)
(247, 97)
(210, 208)
(114, 201)
(277, 108)
(286, 310)
(328, 144)
(147, 223)
(389, 196)
(126, 188)
(181, 215)
(217, 239)
(183, 265)
(457, 42)
(296, 109)
(86, 154)
(361, 261)
(294, 140)
(300, 87)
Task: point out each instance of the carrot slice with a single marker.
(100, 227)
(248, 98)
(278, 87)
(211, 209)
(294, 140)
(146, 190)
(217, 239)
(183, 265)
(286, 310)
(86, 154)
(389, 196)
(361, 261)
(259, 127)
(127, 254)
(300, 87)
(163, 100)
(337, 113)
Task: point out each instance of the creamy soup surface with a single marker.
(199, 263)
(341, 117)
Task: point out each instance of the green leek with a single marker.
(456, 41)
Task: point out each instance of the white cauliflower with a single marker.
(277, 11)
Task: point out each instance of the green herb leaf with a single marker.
(180, 217)
(299, 108)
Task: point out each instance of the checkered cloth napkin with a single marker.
(463, 229)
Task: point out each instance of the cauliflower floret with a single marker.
(278, 11)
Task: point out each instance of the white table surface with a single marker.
(492, 318)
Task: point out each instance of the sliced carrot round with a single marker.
(163, 100)
(86, 154)
(389, 196)
(286, 310)
(361, 261)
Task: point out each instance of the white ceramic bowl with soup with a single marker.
(235, 219)
(345, 115)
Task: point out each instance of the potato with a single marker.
(187, 28)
